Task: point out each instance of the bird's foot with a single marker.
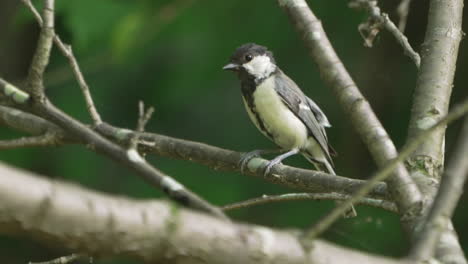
(278, 159)
(270, 165)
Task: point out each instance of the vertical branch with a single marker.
(403, 189)
(434, 84)
(431, 101)
(42, 54)
(446, 200)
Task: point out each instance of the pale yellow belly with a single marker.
(287, 130)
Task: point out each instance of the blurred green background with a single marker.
(169, 54)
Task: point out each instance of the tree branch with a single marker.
(227, 160)
(457, 112)
(450, 191)
(210, 156)
(265, 199)
(435, 81)
(98, 143)
(403, 11)
(41, 56)
(430, 103)
(68, 53)
(382, 19)
(47, 139)
(402, 187)
(104, 225)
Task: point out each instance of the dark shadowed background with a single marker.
(169, 54)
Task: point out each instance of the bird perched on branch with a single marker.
(280, 110)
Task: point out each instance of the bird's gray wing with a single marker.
(305, 109)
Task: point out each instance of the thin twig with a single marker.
(378, 19)
(386, 205)
(68, 53)
(47, 139)
(402, 187)
(143, 118)
(450, 191)
(41, 56)
(64, 259)
(403, 11)
(457, 112)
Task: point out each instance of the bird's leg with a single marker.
(246, 157)
(278, 159)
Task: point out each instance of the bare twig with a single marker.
(403, 11)
(386, 205)
(63, 260)
(47, 139)
(41, 56)
(457, 112)
(68, 53)
(449, 193)
(378, 19)
(402, 187)
(143, 118)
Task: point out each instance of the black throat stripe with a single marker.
(248, 88)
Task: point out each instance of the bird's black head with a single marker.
(253, 60)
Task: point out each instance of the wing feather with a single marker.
(305, 109)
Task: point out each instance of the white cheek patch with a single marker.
(260, 66)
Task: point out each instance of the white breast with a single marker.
(287, 130)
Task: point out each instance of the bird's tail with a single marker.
(324, 165)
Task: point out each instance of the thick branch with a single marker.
(446, 200)
(152, 231)
(457, 112)
(435, 80)
(431, 102)
(403, 189)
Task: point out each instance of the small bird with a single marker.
(280, 110)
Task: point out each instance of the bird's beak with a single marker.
(231, 67)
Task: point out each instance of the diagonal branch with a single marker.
(376, 16)
(457, 112)
(98, 143)
(402, 187)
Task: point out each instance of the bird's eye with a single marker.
(248, 57)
